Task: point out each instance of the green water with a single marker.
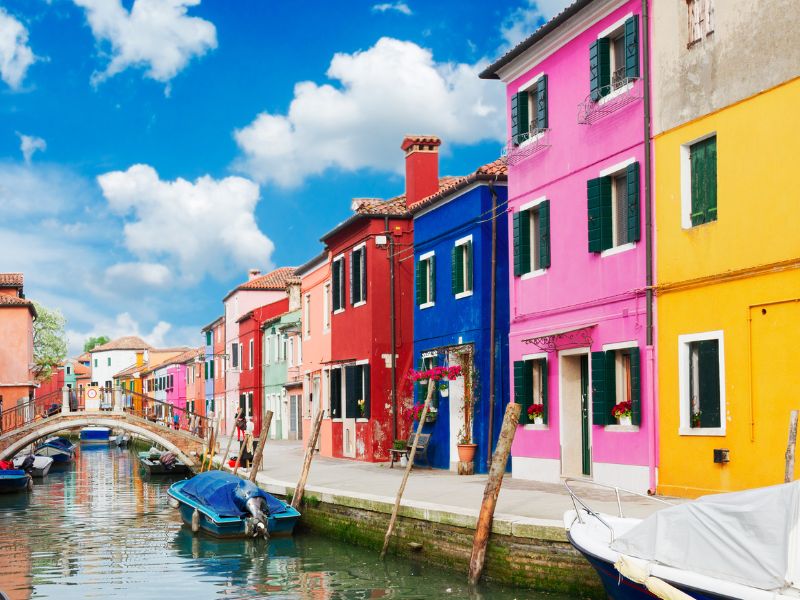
(101, 529)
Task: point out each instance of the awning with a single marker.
(563, 338)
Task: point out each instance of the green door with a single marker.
(586, 458)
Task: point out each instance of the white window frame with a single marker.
(363, 247)
(342, 283)
(266, 351)
(686, 180)
(526, 207)
(525, 88)
(612, 171)
(463, 242)
(251, 348)
(615, 347)
(307, 317)
(290, 350)
(684, 381)
(326, 307)
(537, 356)
(423, 257)
(299, 351)
(607, 33)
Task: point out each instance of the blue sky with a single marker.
(151, 151)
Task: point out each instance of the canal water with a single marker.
(102, 529)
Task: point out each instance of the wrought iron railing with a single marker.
(524, 145)
(609, 98)
(29, 411)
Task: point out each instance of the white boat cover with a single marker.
(748, 537)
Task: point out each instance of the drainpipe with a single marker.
(492, 309)
(394, 327)
(648, 232)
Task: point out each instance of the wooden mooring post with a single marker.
(227, 451)
(484, 526)
(262, 440)
(239, 457)
(431, 387)
(300, 489)
(212, 442)
(789, 472)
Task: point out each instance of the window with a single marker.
(95, 362)
(338, 284)
(530, 387)
(208, 337)
(529, 111)
(336, 393)
(702, 383)
(358, 275)
(615, 379)
(703, 168)
(252, 352)
(234, 355)
(212, 369)
(290, 351)
(357, 400)
(532, 238)
(614, 59)
(307, 316)
(267, 343)
(171, 382)
(462, 268)
(219, 334)
(69, 370)
(109, 361)
(701, 19)
(284, 347)
(613, 206)
(299, 352)
(326, 303)
(426, 280)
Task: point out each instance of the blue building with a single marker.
(453, 233)
(211, 337)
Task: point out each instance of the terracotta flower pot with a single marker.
(466, 452)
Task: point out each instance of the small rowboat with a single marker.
(223, 505)
(40, 466)
(14, 480)
(95, 435)
(60, 449)
(152, 463)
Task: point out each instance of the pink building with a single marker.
(581, 318)
(16, 342)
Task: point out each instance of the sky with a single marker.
(152, 151)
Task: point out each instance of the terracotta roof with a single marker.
(85, 357)
(274, 280)
(11, 279)
(13, 302)
(409, 140)
(128, 342)
(81, 369)
(213, 323)
(497, 170)
(490, 72)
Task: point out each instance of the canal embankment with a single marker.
(352, 501)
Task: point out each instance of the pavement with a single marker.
(538, 503)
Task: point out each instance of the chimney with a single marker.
(252, 274)
(422, 166)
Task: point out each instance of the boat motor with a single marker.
(259, 516)
(27, 464)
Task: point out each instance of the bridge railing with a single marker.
(30, 410)
(167, 414)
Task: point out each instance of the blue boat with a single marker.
(224, 505)
(15, 480)
(95, 435)
(60, 449)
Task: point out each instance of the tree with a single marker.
(49, 341)
(95, 341)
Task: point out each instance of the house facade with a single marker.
(210, 333)
(455, 263)
(277, 355)
(16, 352)
(112, 357)
(581, 319)
(728, 250)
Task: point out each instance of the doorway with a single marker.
(576, 442)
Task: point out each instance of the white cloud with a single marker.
(29, 144)
(15, 54)
(400, 7)
(524, 20)
(132, 275)
(43, 190)
(205, 226)
(391, 89)
(122, 324)
(156, 34)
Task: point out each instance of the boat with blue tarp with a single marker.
(224, 505)
(60, 449)
(95, 435)
(14, 480)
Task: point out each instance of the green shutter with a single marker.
(212, 368)
(541, 103)
(457, 270)
(353, 278)
(367, 396)
(523, 384)
(601, 415)
(205, 364)
(335, 383)
(599, 68)
(611, 384)
(208, 338)
(632, 183)
(517, 251)
(468, 253)
(523, 232)
(351, 408)
(335, 285)
(419, 282)
(363, 271)
(519, 117)
(697, 156)
(432, 279)
(544, 234)
(632, 47)
(542, 365)
(599, 213)
(636, 387)
(708, 372)
(711, 179)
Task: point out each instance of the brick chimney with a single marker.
(252, 274)
(422, 166)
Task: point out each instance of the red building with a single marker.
(372, 301)
(251, 385)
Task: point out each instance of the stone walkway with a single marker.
(434, 489)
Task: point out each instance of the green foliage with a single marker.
(89, 344)
(49, 341)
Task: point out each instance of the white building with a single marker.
(111, 358)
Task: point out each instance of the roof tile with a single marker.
(11, 279)
(128, 342)
(274, 280)
(496, 169)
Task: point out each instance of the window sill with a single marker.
(336, 419)
(702, 431)
(535, 427)
(689, 227)
(362, 420)
(622, 428)
(531, 140)
(463, 295)
(532, 274)
(618, 92)
(357, 304)
(427, 305)
(618, 249)
(338, 311)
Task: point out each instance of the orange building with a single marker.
(16, 350)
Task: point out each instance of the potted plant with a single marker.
(399, 444)
(536, 412)
(622, 413)
(466, 449)
(444, 389)
(416, 413)
(695, 419)
(361, 408)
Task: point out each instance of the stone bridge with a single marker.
(187, 446)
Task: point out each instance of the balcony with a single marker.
(621, 92)
(527, 144)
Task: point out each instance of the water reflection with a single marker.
(99, 528)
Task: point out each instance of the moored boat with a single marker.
(60, 449)
(737, 545)
(156, 462)
(224, 505)
(95, 435)
(39, 465)
(121, 440)
(14, 480)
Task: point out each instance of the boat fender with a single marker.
(174, 503)
(639, 571)
(195, 521)
(30, 484)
